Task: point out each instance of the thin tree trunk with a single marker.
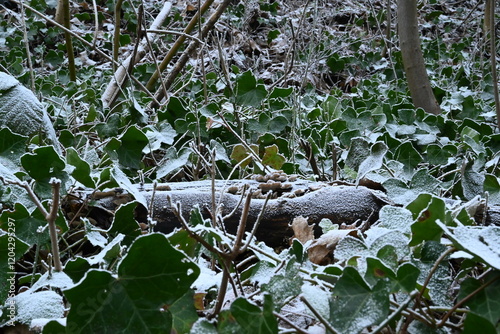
(413, 60)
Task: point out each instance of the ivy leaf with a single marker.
(282, 287)
(240, 153)
(409, 156)
(427, 212)
(480, 241)
(12, 147)
(133, 142)
(373, 161)
(42, 165)
(7, 269)
(355, 305)
(173, 161)
(125, 223)
(486, 302)
(151, 277)
(248, 92)
(492, 186)
(81, 172)
(272, 158)
(183, 313)
(252, 319)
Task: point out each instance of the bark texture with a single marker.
(413, 60)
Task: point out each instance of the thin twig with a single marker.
(325, 322)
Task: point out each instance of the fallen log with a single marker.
(291, 198)
(312, 200)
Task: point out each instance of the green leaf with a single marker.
(472, 182)
(421, 182)
(473, 322)
(81, 172)
(355, 305)
(12, 147)
(409, 156)
(183, 313)
(125, 223)
(164, 135)
(252, 319)
(427, 212)
(27, 225)
(110, 128)
(123, 182)
(407, 276)
(359, 150)
(240, 153)
(374, 161)
(12, 249)
(133, 142)
(438, 155)
(395, 218)
(485, 302)
(151, 277)
(248, 92)
(43, 164)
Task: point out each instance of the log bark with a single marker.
(312, 200)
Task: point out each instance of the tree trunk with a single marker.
(413, 60)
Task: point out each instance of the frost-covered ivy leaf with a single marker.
(395, 218)
(492, 186)
(38, 305)
(409, 156)
(108, 253)
(248, 92)
(12, 147)
(481, 241)
(439, 286)
(359, 150)
(373, 161)
(42, 165)
(165, 134)
(472, 182)
(421, 182)
(283, 287)
(123, 181)
(252, 319)
(354, 305)
(220, 151)
(439, 155)
(151, 277)
(133, 141)
(28, 227)
(21, 112)
(173, 161)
